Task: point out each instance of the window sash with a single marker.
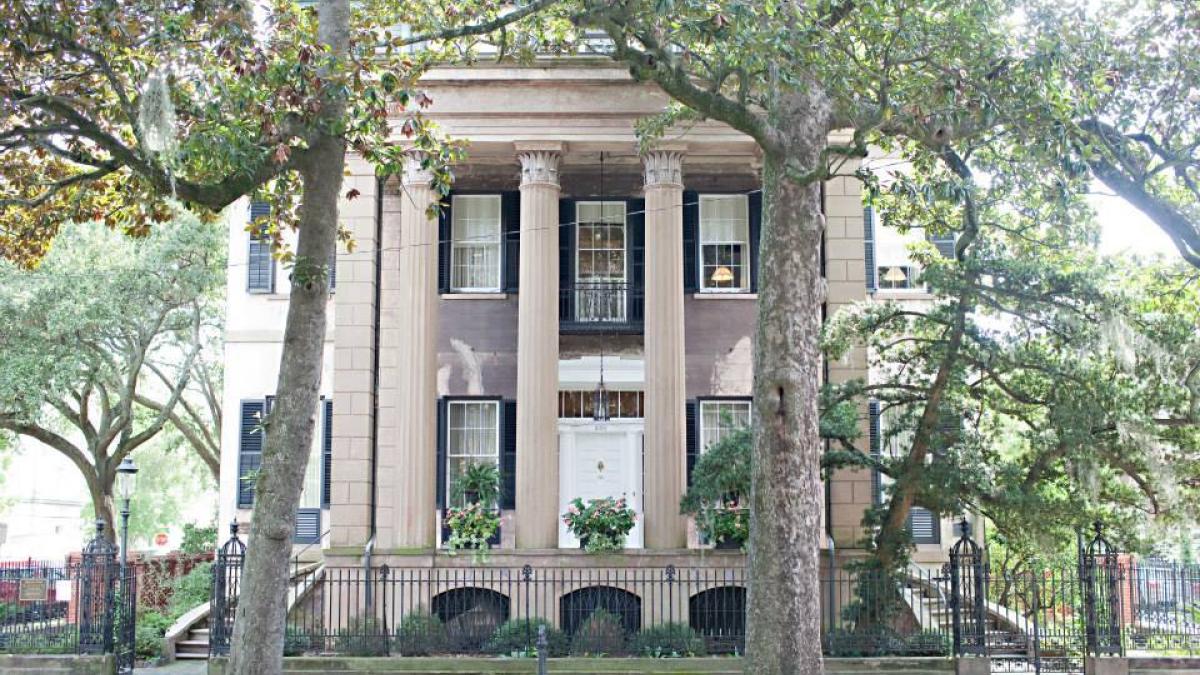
(724, 235)
(476, 243)
(472, 436)
(712, 423)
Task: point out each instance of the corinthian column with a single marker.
(537, 348)
(414, 467)
(665, 392)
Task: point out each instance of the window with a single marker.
(476, 249)
(600, 269)
(720, 418)
(896, 277)
(472, 436)
(724, 233)
(581, 404)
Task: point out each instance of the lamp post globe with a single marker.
(126, 480)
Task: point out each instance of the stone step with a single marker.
(196, 656)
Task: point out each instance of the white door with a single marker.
(600, 461)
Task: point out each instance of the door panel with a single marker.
(596, 463)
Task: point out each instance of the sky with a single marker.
(1124, 229)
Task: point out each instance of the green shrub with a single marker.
(928, 643)
(667, 640)
(148, 635)
(363, 636)
(519, 637)
(877, 641)
(189, 590)
(198, 539)
(420, 634)
(298, 643)
(600, 635)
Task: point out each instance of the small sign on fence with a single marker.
(34, 590)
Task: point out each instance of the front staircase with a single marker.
(195, 643)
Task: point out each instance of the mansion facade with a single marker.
(564, 260)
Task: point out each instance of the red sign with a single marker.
(160, 539)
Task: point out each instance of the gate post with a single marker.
(227, 575)
(97, 580)
(968, 595)
(1100, 577)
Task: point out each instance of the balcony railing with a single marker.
(601, 307)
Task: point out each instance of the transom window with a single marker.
(724, 242)
(718, 419)
(600, 275)
(476, 248)
(582, 404)
(472, 436)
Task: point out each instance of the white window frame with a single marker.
(719, 433)
(591, 305)
(705, 281)
(458, 245)
(450, 450)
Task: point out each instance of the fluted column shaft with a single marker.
(415, 470)
(537, 350)
(665, 379)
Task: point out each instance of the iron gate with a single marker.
(1040, 620)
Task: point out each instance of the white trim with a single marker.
(701, 243)
(721, 294)
(494, 295)
(450, 401)
(457, 244)
(619, 373)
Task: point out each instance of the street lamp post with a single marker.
(126, 477)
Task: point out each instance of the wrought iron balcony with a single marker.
(601, 307)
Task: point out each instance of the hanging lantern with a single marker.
(600, 397)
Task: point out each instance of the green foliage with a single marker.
(882, 641)
(362, 636)
(297, 642)
(150, 628)
(519, 637)
(601, 634)
(479, 483)
(198, 538)
(471, 527)
(191, 590)
(720, 488)
(602, 524)
(421, 634)
(668, 640)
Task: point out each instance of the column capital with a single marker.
(663, 167)
(414, 173)
(539, 163)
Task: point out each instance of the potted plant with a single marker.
(472, 527)
(478, 483)
(717, 495)
(475, 524)
(601, 525)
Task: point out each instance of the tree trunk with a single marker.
(257, 646)
(783, 622)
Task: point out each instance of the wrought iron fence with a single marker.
(86, 607)
(1038, 620)
(601, 306)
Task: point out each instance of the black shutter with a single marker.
(876, 449)
(869, 247)
(944, 243)
(333, 271)
(924, 526)
(250, 443)
(260, 267)
(308, 526)
(755, 234)
(691, 227)
(508, 457)
(635, 224)
(510, 226)
(691, 446)
(566, 259)
(326, 451)
(441, 453)
(444, 245)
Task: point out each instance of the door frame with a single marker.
(633, 430)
